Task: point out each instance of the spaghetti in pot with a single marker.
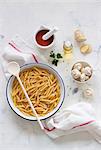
(42, 87)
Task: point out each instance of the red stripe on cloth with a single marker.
(13, 45)
(86, 123)
(49, 130)
(35, 58)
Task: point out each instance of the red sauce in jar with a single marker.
(42, 42)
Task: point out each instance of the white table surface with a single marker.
(24, 18)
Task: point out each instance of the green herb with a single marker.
(59, 55)
(55, 57)
(55, 62)
(52, 54)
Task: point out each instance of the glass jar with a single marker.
(68, 50)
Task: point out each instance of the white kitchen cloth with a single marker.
(21, 52)
(76, 118)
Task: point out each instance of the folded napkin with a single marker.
(76, 118)
(21, 52)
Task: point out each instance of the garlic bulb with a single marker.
(85, 48)
(88, 93)
(76, 73)
(79, 36)
(88, 71)
(78, 66)
(83, 77)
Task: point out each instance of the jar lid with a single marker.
(67, 43)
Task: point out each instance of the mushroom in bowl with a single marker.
(81, 72)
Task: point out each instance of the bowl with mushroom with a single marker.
(81, 72)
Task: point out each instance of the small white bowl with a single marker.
(32, 118)
(84, 64)
(43, 47)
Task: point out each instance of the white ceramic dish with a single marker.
(43, 47)
(17, 111)
(84, 64)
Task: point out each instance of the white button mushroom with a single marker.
(83, 77)
(78, 66)
(88, 71)
(83, 70)
(86, 77)
(76, 73)
(88, 93)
